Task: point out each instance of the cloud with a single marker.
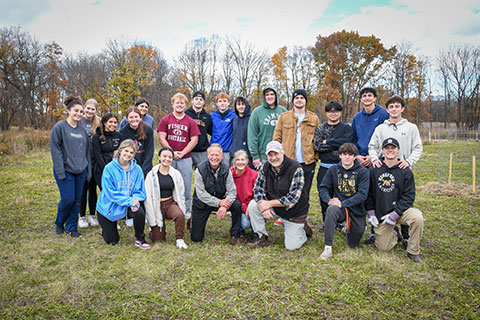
(86, 25)
(429, 25)
(18, 12)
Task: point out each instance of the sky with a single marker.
(85, 26)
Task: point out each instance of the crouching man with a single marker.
(390, 201)
(344, 188)
(215, 191)
(279, 193)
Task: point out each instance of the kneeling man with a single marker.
(279, 193)
(215, 191)
(390, 201)
(344, 188)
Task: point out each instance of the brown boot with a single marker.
(260, 242)
(157, 235)
(239, 241)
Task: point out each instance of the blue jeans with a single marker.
(70, 193)
(245, 222)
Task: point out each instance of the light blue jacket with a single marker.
(120, 189)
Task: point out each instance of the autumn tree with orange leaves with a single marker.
(130, 77)
(346, 62)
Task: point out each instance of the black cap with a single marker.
(300, 92)
(392, 141)
(199, 94)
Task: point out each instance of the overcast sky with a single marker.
(79, 25)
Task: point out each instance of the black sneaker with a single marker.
(339, 227)
(415, 258)
(59, 229)
(75, 234)
(260, 242)
(370, 239)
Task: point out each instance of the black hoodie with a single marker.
(145, 148)
(391, 189)
(102, 151)
(204, 123)
(350, 186)
(240, 128)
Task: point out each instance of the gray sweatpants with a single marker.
(295, 235)
(185, 168)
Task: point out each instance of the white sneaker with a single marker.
(181, 244)
(327, 253)
(129, 222)
(92, 220)
(118, 227)
(82, 222)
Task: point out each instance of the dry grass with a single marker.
(457, 190)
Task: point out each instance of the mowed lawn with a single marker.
(47, 276)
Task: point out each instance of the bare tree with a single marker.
(460, 69)
(197, 66)
(248, 64)
(22, 60)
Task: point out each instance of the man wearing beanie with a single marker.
(295, 130)
(204, 122)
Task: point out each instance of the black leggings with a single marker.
(90, 189)
(109, 228)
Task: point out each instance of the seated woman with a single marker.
(165, 198)
(122, 190)
(244, 179)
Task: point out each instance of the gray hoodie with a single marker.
(407, 135)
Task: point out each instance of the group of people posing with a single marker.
(252, 165)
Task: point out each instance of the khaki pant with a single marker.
(386, 237)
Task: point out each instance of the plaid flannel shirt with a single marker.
(288, 200)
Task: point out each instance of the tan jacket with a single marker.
(286, 133)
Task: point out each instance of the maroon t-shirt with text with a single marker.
(179, 132)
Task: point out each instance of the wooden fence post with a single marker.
(473, 172)
(450, 169)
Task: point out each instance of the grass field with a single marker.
(46, 276)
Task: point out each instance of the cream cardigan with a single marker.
(152, 202)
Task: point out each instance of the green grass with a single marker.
(45, 276)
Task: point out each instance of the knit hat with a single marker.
(300, 92)
(199, 94)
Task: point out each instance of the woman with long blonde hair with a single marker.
(122, 190)
(90, 122)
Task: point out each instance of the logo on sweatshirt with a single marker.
(271, 120)
(386, 182)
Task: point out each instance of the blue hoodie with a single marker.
(240, 128)
(222, 132)
(120, 188)
(363, 125)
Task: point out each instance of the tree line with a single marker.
(35, 77)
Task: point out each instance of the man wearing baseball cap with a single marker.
(279, 193)
(390, 202)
